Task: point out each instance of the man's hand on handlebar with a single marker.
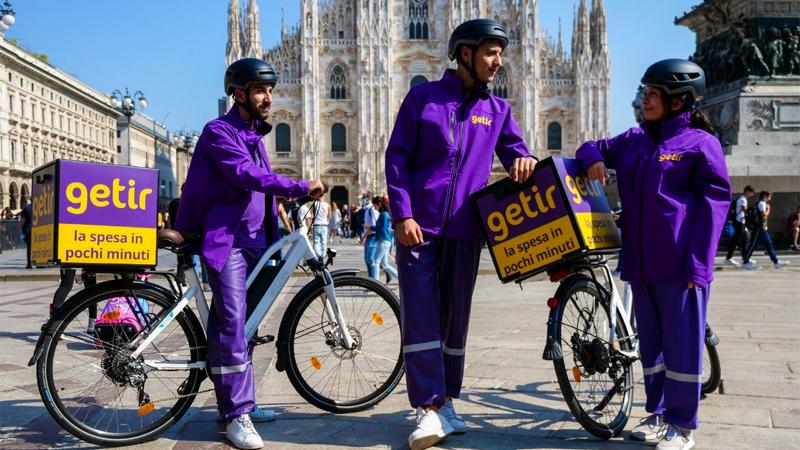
(317, 188)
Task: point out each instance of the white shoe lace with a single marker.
(246, 425)
(670, 432)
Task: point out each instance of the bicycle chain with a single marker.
(181, 396)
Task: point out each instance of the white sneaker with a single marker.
(780, 264)
(648, 428)
(676, 438)
(262, 415)
(242, 434)
(749, 266)
(732, 262)
(449, 413)
(431, 429)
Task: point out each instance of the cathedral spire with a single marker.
(599, 33)
(560, 48)
(233, 50)
(284, 31)
(252, 32)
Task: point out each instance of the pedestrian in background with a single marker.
(793, 227)
(335, 223)
(27, 218)
(740, 233)
(319, 226)
(762, 236)
(369, 240)
(384, 237)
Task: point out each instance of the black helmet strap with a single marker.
(481, 89)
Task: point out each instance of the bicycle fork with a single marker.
(334, 313)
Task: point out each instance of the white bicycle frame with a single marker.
(299, 250)
(623, 304)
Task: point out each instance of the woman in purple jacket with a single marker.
(675, 192)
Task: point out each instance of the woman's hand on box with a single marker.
(522, 169)
(408, 232)
(597, 171)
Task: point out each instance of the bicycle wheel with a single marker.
(596, 381)
(324, 372)
(712, 370)
(92, 386)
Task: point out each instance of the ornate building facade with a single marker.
(750, 52)
(46, 114)
(346, 67)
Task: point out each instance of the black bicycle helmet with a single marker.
(473, 32)
(677, 76)
(248, 70)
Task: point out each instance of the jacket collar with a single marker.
(667, 128)
(454, 85)
(251, 135)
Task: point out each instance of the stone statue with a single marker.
(751, 58)
(774, 49)
(791, 52)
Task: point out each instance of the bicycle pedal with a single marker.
(258, 340)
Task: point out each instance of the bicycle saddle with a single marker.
(174, 240)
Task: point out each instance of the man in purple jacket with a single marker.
(228, 188)
(440, 152)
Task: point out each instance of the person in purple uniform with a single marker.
(675, 200)
(229, 188)
(440, 152)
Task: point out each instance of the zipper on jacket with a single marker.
(452, 127)
(653, 151)
(633, 178)
(454, 174)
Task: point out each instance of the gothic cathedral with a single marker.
(346, 67)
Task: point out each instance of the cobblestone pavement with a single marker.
(510, 400)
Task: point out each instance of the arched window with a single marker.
(283, 138)
(13, 195)
(418, 19)
(338, 138)
(500, 83)
(338, 81)
(554, 136)
(417, 80)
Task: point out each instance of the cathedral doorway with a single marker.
(340, 196)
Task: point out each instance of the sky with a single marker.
(174, 50)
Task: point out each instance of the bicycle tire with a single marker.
(55, 398)
(712, 382)
(388, 314)
(566, 291)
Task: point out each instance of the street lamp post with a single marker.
(7, 17)
(127, 104)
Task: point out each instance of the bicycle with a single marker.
(592, 341)
(338, 342)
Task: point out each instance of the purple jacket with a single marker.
(441, 151)
(675, 194)
(229, 167)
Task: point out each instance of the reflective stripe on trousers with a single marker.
(436, 281)
(671, 320)
(228, 350)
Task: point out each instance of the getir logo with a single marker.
(101, 196)
(42, 204)
(483, 120)
(670, 157)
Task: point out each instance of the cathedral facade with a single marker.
(346, 67)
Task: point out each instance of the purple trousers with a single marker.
(228, 350)
(671, 320)
(436, 280)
